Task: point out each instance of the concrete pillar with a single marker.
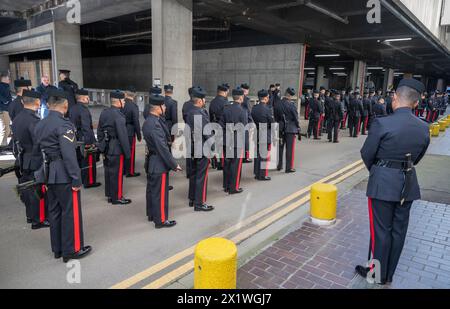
(4, 63)
(66, 53)
(358, 75)
(440, 84)
(388, 80)
(320, 72)
(408, 75)
(172, 46)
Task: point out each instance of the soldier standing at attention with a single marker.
(68, 86)
(287, 116)
(262, 115)
(159, 163)
(16, 106)
(246, 107)
(56, 138)
(197, 119)
(233, 115)
(113, 143)
(81, 117)
(30, 159)
(391, 154)
(171, 115)
(335, 118)
(186, 109)
(314, 116)
(131, 112)
(154, 90)
(216, 108)
(367, 112)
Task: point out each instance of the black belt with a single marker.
(401, 165)
(55, 157)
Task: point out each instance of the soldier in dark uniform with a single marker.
(391, 154)
(171, 115)
(113, 143)
(159, 163)
(30, 159)
(56, 138)
(431, 108)
(322, 105)
(335, 116)
(131, 112)
(233, 115)
(379, 109)
(287, 116)
(314, 116)
(345, 100)
(308, 97)
(262, 115)
(355, 111)
(367, 112)
(246, 107)
(186, 109)
(198, 178)
(388, 102)
(422, 104)
(81, 117)
(328, 102)
(16, 106)
(155, 90)
(216, 108)
(69, 86)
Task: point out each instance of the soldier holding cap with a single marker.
(159, 163)
(391, 154)
(131, 112)
(262, 115)
(81, 117)
(16, 106)
(29, 159)
(56, 139)
(113, 143)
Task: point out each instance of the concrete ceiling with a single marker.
(18, 5)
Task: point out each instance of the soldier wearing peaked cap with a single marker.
(186, 109)
(335, 116)
(314, 116)
(131, 112)
(197, 119)
(16, 105)
(159, 162)
(153, 91)
(246, 107)
(171, 115)
(69, 86)
(216, 108)
(81, 117)
(113, 143)
(56, 139)
(29, 159)
(262, 115)
(390, 155)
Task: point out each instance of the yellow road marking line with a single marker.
(186, 268)
(189, 251)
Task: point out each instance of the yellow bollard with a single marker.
(215, 264)
(447, 122)
(323, 204)
(442, 125)
(431, 133)
(435, 130)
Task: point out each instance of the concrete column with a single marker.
(358, 75)
(4, 63)
(320, 72)
(172, 46)
(388, 79)
(66, 52)
(440, 84)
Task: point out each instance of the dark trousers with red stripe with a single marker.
(365, 124)
(344, 121)
(313, 127)
(35, 200)
(198, 181)
(130, 164)
(307, 110)
(261, 164)
(233, 171)
(114, 177)
(66, 224)
(333, 129)
(388, 225)
(88, 167)
(157, 197)
(289, 143)
(354, 126)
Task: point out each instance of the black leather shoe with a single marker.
(279, 168)
(41, 225)
(290, 171)
(122, 201)
(226, 190)
(150, 219)
(109, 200)
(170, 188)
(362, 271)
(166, 224)
(94, 185)
(191, 203)
(240, 190)
(336, 142)
(263, 178)
(329, 141)
(78, 255)
(133, 175)
(247, 161)
(57, 255)
(29, 220)
(203, 207)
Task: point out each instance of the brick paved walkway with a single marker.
(325, 257)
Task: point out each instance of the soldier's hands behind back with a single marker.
(178, 169)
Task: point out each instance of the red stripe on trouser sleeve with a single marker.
(91, 172)
(120, 179)
(372, 229)
(359, 126)
(366, 122)
(238, 176)
(133, 152)
(268, 159)
(293, 152)
(163, 198)
(42, 206)
(76, 221)
(205, 182)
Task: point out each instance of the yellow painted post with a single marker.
(447, 122)
(442, 125)
(215, 264)
(435, 130)
(323, 204)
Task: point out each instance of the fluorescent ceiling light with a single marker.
(398, 40)
(374, 68)
(309, 69)
(327, 55)
(334, 69)
(417, 76)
